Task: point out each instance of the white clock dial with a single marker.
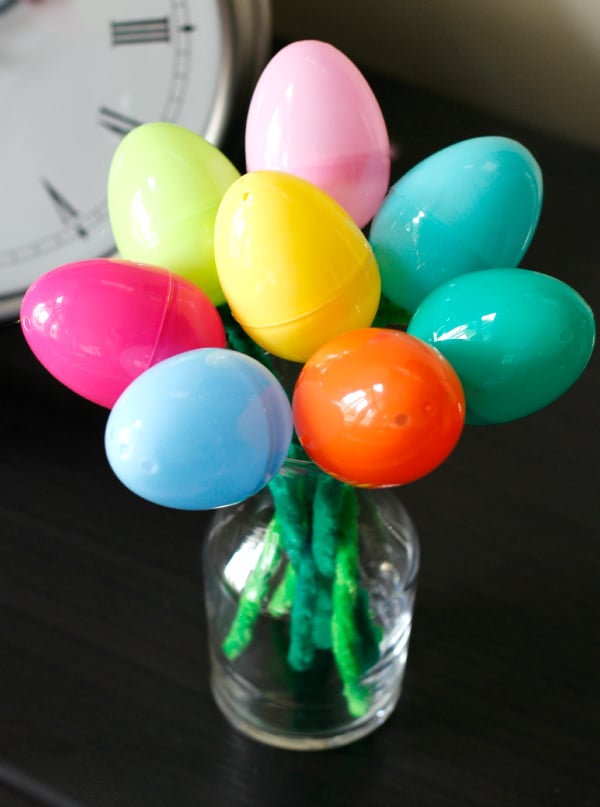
(75, 77)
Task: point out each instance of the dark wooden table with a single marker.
(104, 695)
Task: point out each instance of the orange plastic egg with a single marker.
(376, 407)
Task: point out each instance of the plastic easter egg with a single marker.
(204, 429)
(474, 205)
(377, 407)
(517, 339)
(97, 324)
(313, 114)
(164, 187)
(295, 268)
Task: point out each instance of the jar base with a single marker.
(229, 698)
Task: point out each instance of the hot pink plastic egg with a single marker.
(314, 115)
(96, 325)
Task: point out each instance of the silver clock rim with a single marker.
(247, 29)
(247, 26)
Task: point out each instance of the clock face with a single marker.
(75, 77)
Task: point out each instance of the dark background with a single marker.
(104, 694)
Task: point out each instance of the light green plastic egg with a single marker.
(164, 188)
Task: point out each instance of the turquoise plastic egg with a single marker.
(474, 205)
(203, 429)
(517, 339)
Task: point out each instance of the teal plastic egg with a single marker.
(474, 205)
(517, 339)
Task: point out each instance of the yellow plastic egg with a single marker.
(294, 267)
(164, 188)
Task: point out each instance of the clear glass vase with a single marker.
(309, 588)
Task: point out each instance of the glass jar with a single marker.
(309, 588)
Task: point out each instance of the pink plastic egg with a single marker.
(96, 325)
(314, 115)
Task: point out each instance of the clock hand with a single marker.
(65, 209)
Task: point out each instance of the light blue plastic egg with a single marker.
(517, 339)
(474, 205)
(203, 429)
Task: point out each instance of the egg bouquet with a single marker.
(228, 284)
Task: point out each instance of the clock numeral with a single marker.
(66, 212)
(116, 122)
(135, 32)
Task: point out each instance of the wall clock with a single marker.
(75, 77)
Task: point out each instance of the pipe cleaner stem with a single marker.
(241, 630)
(301, 651)
(327, 509)
(345, 637)
(292, 497)
(283, 596)
(323, 613)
